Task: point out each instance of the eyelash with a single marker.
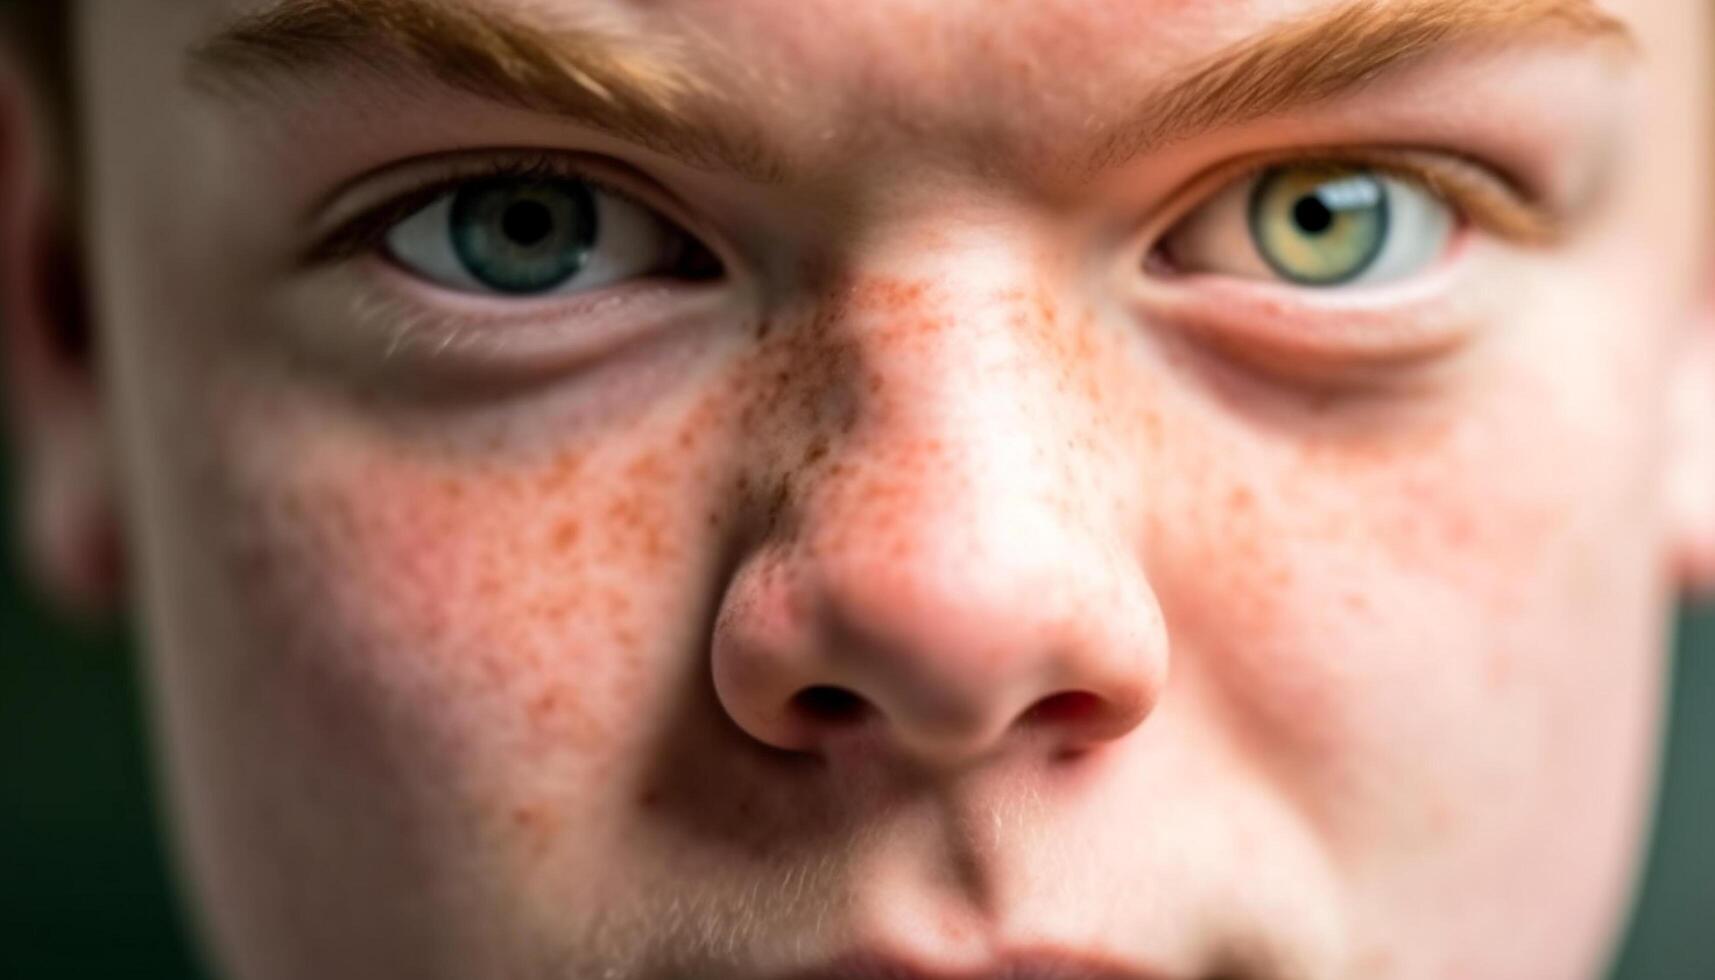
(366, 232)
(1479, 194)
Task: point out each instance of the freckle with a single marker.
(1152, 427)
(648, 468)
(1045, 312)
(818, 448)
(1240, 500)
(649, 799)
(566, 534)
(1084, 351)
(889, 294)
(538, 821)
(564, 469)
(1460, 531)
(544, 706)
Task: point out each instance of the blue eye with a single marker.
(523, 237)
(1315, 225)
(534, 236)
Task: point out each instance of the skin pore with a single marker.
(950, 544)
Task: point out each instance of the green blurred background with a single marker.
(84, 889)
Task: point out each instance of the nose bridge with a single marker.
(962, 373)
(962, 447)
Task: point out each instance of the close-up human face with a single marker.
(963, 489)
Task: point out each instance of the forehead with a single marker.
(956, 48)
(933, 37)
(925, 64)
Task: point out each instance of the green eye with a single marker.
(1314, 224)
(523, 236)
(1319, 225)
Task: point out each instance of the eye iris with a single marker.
(521, 236)
(1319, 225)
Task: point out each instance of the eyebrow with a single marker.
(1330, 53)
(640, 89)
(637, 89)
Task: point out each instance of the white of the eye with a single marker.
(1419, 226)
(630, 241)
(1217, 237)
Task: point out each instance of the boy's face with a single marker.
(914, 489)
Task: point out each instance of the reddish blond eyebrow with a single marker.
(1331, 52)
(636, 88)
(640, 89)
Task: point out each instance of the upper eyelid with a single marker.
(366, 227)
(1483, 195)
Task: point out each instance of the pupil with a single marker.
(527, 222)
(1312, 215)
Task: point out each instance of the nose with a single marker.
(952, 577)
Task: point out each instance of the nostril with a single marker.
(829, 705)
(1067, 707)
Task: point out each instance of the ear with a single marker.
(1692, 465)
(67, 506)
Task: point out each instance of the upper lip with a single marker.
(1041, 964)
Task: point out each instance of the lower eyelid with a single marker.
(369, 320)
(1390, 326)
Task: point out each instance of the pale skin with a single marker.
(1200, 623)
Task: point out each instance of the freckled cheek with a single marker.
(495, 618)
(1394, 627)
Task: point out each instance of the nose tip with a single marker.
(940, 660)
